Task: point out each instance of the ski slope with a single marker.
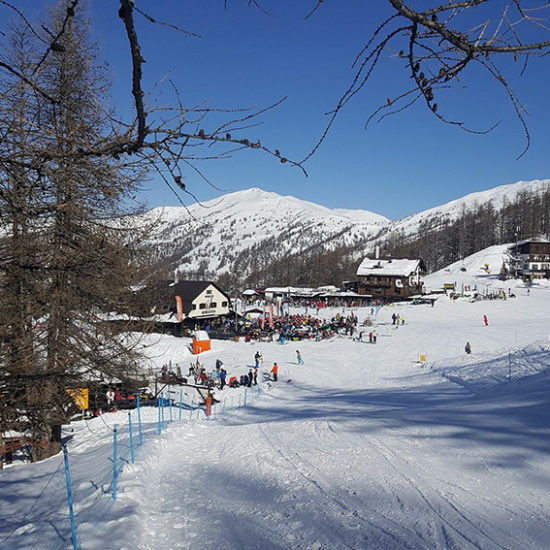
(363, 447)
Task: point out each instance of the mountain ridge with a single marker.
(245, 231)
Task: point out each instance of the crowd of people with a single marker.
(219, 377)
(293, 328)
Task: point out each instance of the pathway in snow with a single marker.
(363, 449)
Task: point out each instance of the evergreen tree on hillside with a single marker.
(64, 264)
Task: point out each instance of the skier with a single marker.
(250, 378)
(393, 318)
(374, 334)
(485, 320)
(299, 358)
(218, 366)
(468, 348)
(110, 396)
(223, 375)
(275, 371)
(257, 359)
(370, 337)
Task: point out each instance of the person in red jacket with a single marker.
(275, 371)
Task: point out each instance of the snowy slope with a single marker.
(471, 271)
(498, 196)
(363, 447)
(239, 230)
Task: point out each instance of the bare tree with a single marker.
(439, 43)
(66, 162)
(65, 264)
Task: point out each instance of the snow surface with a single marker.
(363, 447)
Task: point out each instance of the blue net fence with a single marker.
(50, 504)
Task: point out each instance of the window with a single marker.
(224, 304)
(202, 306)
(213, 304)
(209, 291)
(193, 306)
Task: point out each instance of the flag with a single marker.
(179, 307)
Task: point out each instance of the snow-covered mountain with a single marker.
(234, 231)
(242, 231)
(497, 196)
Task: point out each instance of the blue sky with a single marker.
(402, 165)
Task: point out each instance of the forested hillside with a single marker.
(442, 242)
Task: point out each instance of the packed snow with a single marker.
(362, 447)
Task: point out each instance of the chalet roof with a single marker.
(345, 294)
(249, 292)
(533, 240)
(389, 267)
(293, 291)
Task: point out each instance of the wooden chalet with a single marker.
(195, 300)
(390, 279)
(530, 259)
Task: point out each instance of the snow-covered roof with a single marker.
(157, 318)
(249, 292)
(345, 294)
(533, 240)
(393, 267)
(293, 291)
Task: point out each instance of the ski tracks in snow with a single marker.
(416, 515)
(364, 527)
(448, 525)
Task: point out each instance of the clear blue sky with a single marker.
(244, 57)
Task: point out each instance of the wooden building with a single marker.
(390, 279)
(530, 259)
(196, 300)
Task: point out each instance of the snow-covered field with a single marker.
(363, 447)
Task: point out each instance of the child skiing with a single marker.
(299, 358)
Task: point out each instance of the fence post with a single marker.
(115, 472)
(131, 437)
(181, 403)
(170, 403)
(158, 407)
(69, 496)
(139, 422)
